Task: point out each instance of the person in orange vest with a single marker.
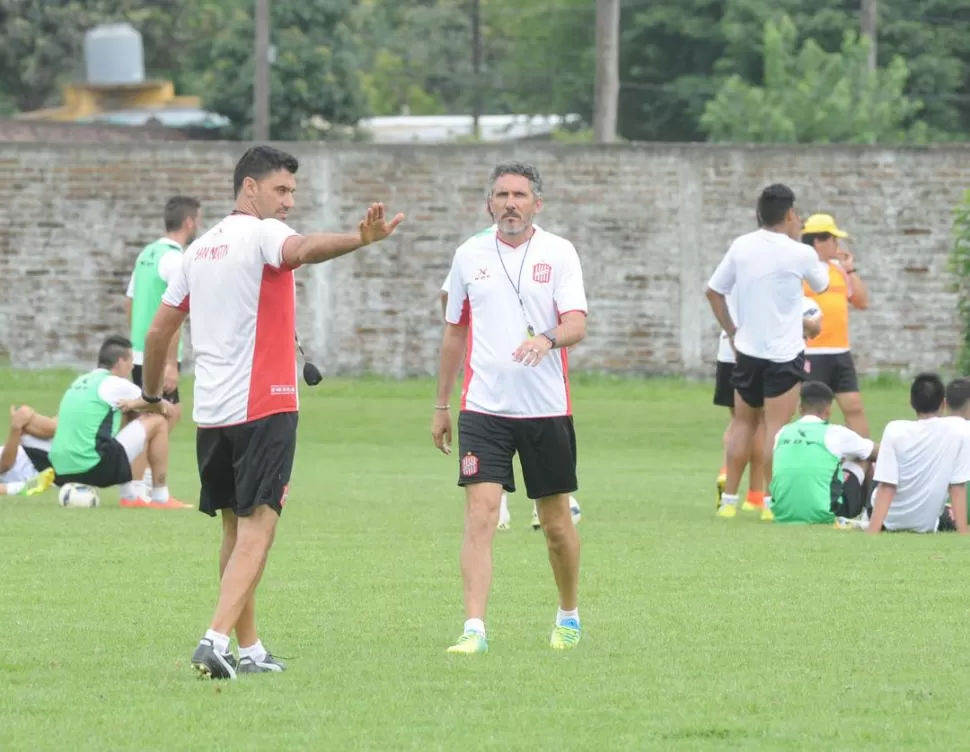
(828, 356)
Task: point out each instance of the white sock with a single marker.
(255, 651)
(160, 493)
(503, 511)
(561, 615)
(128, 491)
(475, 625)
(730, 500)
(767, 502)
(219, 641)
(15, 488)
(147, 477)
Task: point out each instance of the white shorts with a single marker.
(133, 438)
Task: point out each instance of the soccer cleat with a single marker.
(269, 664)
(172, 503)
(212, 665)
(39, 483)
(137, 501)
(767, 515)
(565, 636)
(470, 643)
(721, 482)
(504, 524)
(727, 510)
(536, 525)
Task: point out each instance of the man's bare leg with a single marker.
(740, 440)
(482, 502)
(562, 540)
(756, 468)
(778, 413)
(850, 403)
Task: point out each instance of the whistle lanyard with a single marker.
(517, 286)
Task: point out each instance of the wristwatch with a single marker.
(150, 400)
(551, 336)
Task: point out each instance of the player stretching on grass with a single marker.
(768, 267)
(25, 469)
(239, 279)
(523, 289)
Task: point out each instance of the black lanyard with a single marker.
(517, 287)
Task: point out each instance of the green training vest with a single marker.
(149, 288)
(805, 475)
(83, 419)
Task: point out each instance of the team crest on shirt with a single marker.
(541, 273)
(469, 465)
(482, 274)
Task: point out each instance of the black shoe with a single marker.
(248, 665)
(212, 665)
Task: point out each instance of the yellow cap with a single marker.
(823, 223)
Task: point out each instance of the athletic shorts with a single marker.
(835, 370)
(117, 454)
(172, 396)
(723, 391)
(246, 465)
(756, 379)
(546, 449)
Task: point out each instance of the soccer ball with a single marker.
(574, 509)
(78, 495)
(810, 309)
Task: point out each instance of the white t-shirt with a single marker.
(843, 442)
(922, 458)
(483, 295)
(243, 308)
(114, 389)
(767, 270)
(724, 352)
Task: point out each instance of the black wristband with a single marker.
(150, 400)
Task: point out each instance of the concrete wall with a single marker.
(650, 223)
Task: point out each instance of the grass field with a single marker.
(700, 633)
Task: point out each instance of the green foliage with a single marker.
(960, 268)
(813, 96)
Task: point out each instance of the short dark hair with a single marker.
(113, 349)
(527, 171)
(926, 394)
(260, 161)
(958, 393)
(809, 238)
(774, 203)
(178, 209)
(816, 395)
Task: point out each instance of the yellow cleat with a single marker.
(565, 636)
(39, 483)
(469, 643)
(767, 515)
(727, 510)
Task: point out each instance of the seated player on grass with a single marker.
(921, 462)
(25, 469)
(820, 469)
(88, 446)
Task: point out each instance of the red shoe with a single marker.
(172, 503)
(136, 502)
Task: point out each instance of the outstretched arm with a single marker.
(319, 247)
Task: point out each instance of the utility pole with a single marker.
(477, 104)
(607, 86)
(261, 73)
(869, 18)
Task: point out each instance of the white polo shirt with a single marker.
(922, 458)
(767, 270)
(482, 294)
(243, 309)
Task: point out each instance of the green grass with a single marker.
(700, 633)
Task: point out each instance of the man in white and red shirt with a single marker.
(516, 299)
(238, 280)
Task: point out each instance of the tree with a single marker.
(313, 81)
(810, 95)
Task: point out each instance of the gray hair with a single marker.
(528, 171)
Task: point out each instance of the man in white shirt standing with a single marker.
(239, 279)
(922, 462)
(767, 267)
(517, 300)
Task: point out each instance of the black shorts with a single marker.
(172, 396)
(38, 458)
(546, 448)
(246, 465)
(113, 468)
(756, 379)
(835, 370)
(723, 390)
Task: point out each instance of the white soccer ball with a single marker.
(574, 509)
(78, 495)
(810, 309)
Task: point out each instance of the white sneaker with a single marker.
(504, 518)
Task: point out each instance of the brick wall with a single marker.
(650, 223)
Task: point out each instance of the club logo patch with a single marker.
(469, 465)
(541, 273)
